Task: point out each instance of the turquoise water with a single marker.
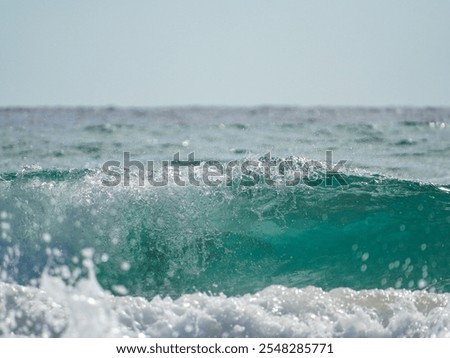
(386, 228)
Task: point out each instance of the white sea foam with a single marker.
(88, 311)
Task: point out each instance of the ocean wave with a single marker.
(375, 232)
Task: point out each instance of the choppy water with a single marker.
(368, 258)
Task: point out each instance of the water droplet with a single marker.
(125, 266)
(422, 284)
(46, 237)
(5, 226)
(119, 289)
(87, 253)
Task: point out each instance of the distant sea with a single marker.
(356, 245)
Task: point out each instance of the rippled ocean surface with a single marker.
(364, 257)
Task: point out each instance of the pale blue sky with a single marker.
(230, 52)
